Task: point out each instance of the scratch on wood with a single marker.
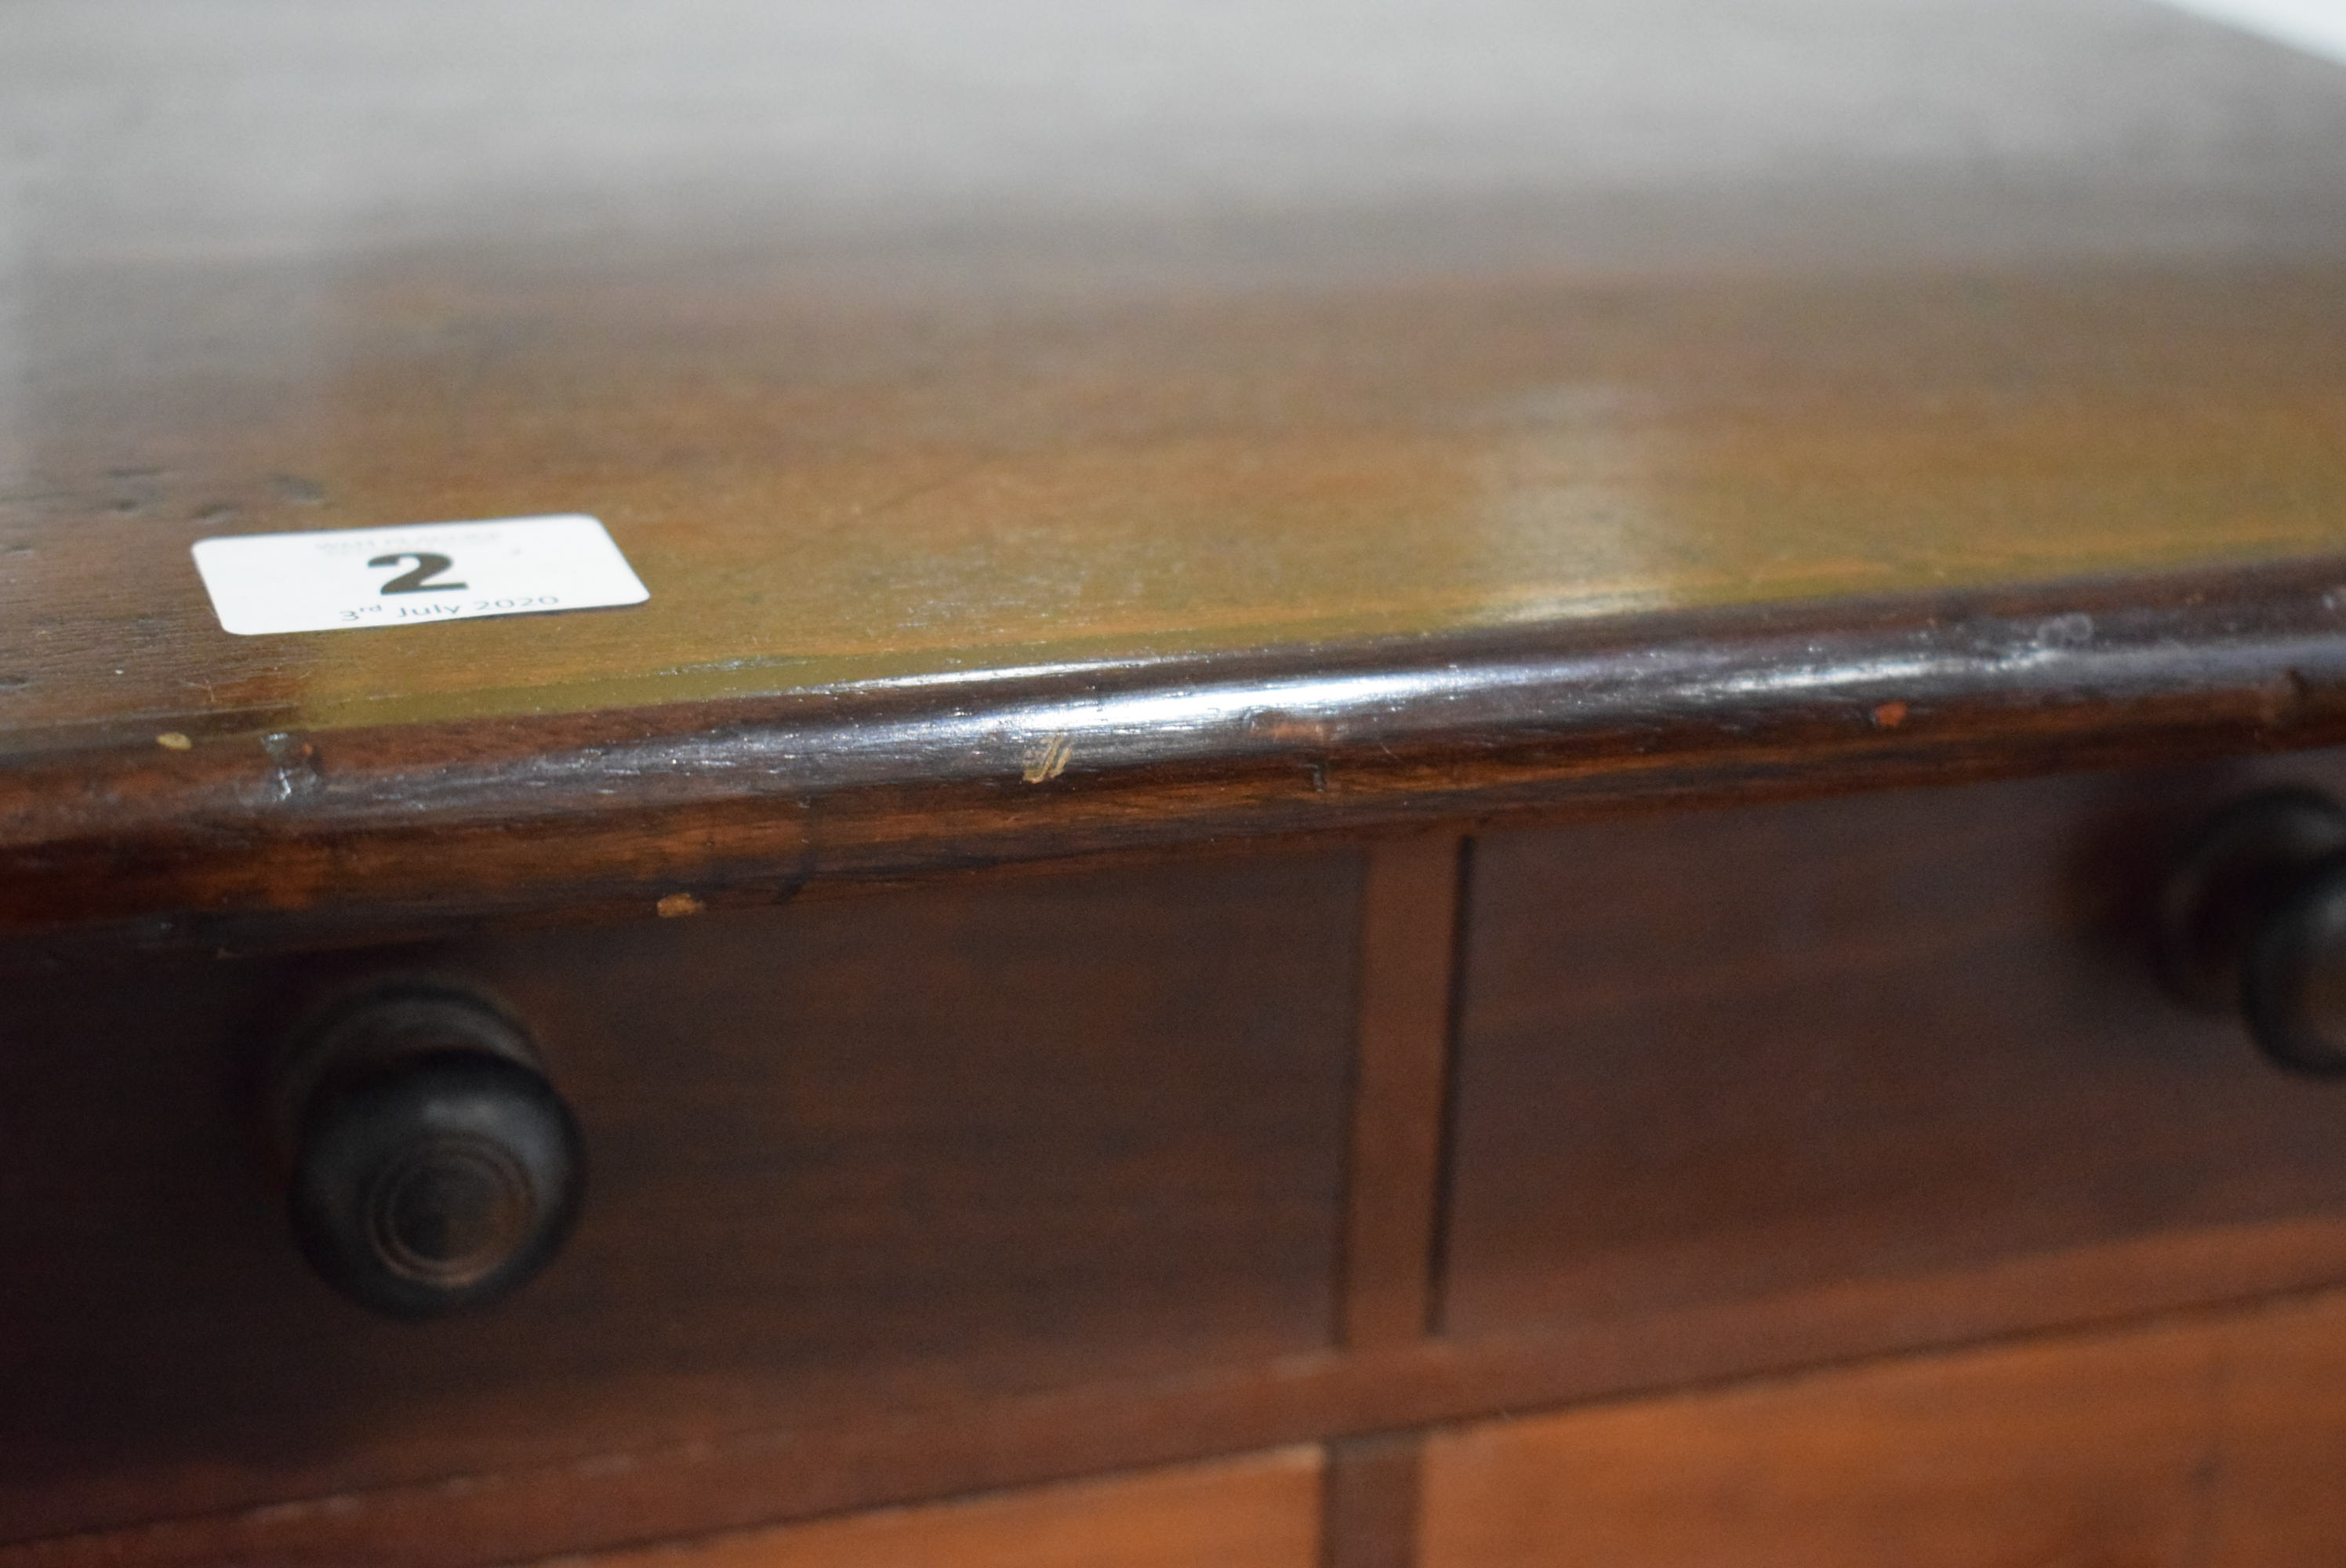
(1049, 759)
(2285, 698)
(296, 769)
(1290, 729)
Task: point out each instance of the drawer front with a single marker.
(2210, 1441)
(877, 1155)
(1261, 1512)
(1716, 1056)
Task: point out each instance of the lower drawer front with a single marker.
(1261, 1511)
(2212, 1441)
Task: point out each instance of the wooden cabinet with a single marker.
(1397, 788)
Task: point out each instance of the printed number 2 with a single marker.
(418, 580)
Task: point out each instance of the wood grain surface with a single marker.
(1056, 433)
(1261, 1512)
(371, 834)
(894, 1163)
(860, 1460)
(1869, 300)
(1045, 1179)
(2207, 1443)
(1249, 421)
(818, 498)
(1713, 1055)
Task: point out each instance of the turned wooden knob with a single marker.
(2254, 919)
(433, 1167)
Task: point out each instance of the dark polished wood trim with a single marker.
(762, 1478)
(360, 834)
(1400, 1083)
(1369, 1501)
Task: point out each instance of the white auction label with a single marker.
(350, 577)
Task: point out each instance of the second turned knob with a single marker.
(2254, 917)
